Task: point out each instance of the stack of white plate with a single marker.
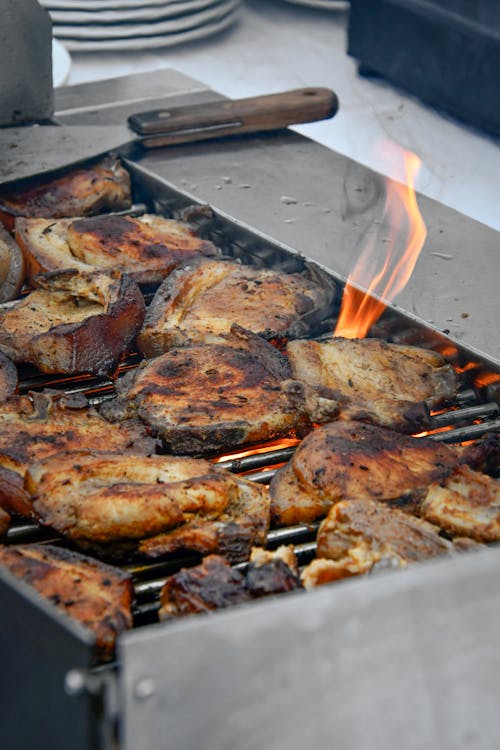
(95, 25)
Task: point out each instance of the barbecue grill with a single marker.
(407, 658)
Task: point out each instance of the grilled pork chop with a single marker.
(359, 534)
(159, 504)
(73, 322)
(391, 385)
(103, 186)
(203, 299)
(216, 585)
(209, 397)
(465, 503)
(97, 595)
(147, 248)
(349, 460)
(11, 267)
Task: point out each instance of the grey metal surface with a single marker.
(407, 660)
(26, 92)
(38, 647)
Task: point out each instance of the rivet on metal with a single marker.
(74, 682)
(145, 688)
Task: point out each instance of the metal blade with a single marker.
(36, 149)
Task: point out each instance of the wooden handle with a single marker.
(232, 117)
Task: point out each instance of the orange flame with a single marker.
(372, 284)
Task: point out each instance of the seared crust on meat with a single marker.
(4, 522)
(216, 585)
(74, 322)
(466, 503)
(103, 186)
(147, 247)
(11, 267)
(387, 384)
(48, 422)
(97, 595)
(8, 377)
(101, 500)
(358, 534)
(208, 397)
(202, 300)
(13, 496)
(348, 460)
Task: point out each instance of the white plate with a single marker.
(104, 4)
(324, 4)
(151, 42)
(142, 13)
(154, 28)
(61, 64)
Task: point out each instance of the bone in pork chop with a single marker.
(202, 300)
(210, 397)
(157, 504)
(391, 385)
(146, 248)
(73, 322)
(349, 460)
(99, 187)
(97, 595)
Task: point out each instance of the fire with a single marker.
(374, 282)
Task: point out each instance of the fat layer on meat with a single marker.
(359, 534)
(216, 585)
(104, 500)
(349, 460)
(74, 321)
(466, 503)
(32, 428)
(391, 385)
(209, 397)
(203, 299)
(103, 186)
(147, 247)
(97, 595)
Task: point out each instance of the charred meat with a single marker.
(99, 596)
(202, 300)
(391, 385)
(348, 460)
(216, 585)
(147, 248)
(73, 322)
(11, 267)
(103, 186)
(156, 504)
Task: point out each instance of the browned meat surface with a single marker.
(203, 299)
(388, 384)
(359, 534)
(348, 460)
(13, 496)
(8, 378)
(466, 503)
(216, 585)
(107, 501)
(103, 186)
(74, 322)
(33, 428)
(4, 521)
(211, 397)
(11, 267)
(97, 595)
(147, 248)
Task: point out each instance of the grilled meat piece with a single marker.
(48, 422)
(216, 585)
(99, 596)
(466, 503)
(103, 186)
(391, 385)
(13, 497)
(74, 322)
(209, 397)
(147, 248)
(8, 378)
(359, 534)
(4, 521)
(11, 267)
(348, 460)
(200, 301)
(103, 500)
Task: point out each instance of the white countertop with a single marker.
(276, 45)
